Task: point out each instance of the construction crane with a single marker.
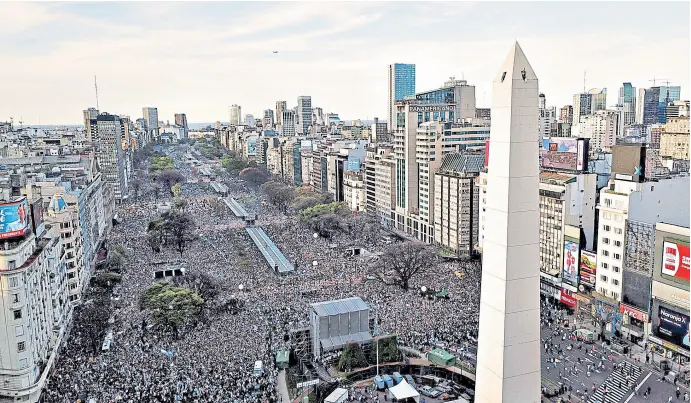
(655, 80)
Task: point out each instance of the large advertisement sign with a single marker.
(563, 153)
(37, 223)
(432, 108)
(673, 326)
(252, 147)
(675, 260)
(570, 274)
(353, 164)
(628, 162)
(14, 219)
(566, 297)
(588, 268)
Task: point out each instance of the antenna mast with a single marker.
(96, 87)
(584, 81)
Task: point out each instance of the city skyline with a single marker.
(176, 58)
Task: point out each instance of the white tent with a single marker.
(404, 391)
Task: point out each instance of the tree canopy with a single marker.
(405, 260)
(278, 194)
(171, 306)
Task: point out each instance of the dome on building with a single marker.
(57, 204)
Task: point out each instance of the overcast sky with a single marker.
(199, 58)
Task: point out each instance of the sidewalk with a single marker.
(282, 387)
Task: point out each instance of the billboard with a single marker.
(675, 259)
(37, 223)
(566, 297)
(486, 152)
(628, 162)
(588, 268)
(673, 326)
(305, 145)
(353, 164)
(564, 153)
(14, 219)
(570, 273)
(252, 147)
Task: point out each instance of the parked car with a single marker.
(429, 392)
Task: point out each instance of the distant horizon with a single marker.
(190, 125)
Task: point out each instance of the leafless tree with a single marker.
(170, 178)
(405, 260)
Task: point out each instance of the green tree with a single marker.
(115, 260)
(352, 357)
(172, 306)
(179, 204)
(278, 194)
(388, 350)
(176, 190)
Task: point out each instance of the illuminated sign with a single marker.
(675, 260)
(14, 219)
(570, 273)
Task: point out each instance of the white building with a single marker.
(65, 219)
(35, 313)
(648, 202)
(249, 120)
(601, 127)
(235, 115)
(354, 190)
(151, 118)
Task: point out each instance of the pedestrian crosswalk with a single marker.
(616, 394)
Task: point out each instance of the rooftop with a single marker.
(335, 307)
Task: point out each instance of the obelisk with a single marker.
(508, 359)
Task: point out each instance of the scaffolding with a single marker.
(640, 247)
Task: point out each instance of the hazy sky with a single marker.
(199, 58)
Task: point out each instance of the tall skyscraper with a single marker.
(288, 125)
(91, 113)
(281, 106)
(108, 133)
(627, 100)
(508, 358)
(181, 120)
(268, 119)
(151, 117)
(588, 103)
(667, 96)
(249, 120)
(566, 114)
(304, 114)
(235, 114)
(648, 105)
(401, 84)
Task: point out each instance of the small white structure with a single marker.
(339, 395)
(402, 392)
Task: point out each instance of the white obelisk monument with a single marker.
(508, 359)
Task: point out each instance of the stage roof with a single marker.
(336, 307)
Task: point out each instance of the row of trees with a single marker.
(159, 163)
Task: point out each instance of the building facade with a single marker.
(304, 114)
(401, 84)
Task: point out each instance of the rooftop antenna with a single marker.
(96, 87)
(584, 80)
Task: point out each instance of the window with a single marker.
(603, 278)
(618, 231)
(23, 363)
(607, 228)
(617, 243)
(11, 265)
(617, 256)
(13, 282)
(17, 314)
(19, 331)
(605, 265)
(615, 295)
(15, 298)
(615, 281)
(605, 252)
(21, 346)
(605, 241)
(615, 269)
(607, 215)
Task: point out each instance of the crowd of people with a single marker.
(212, 360)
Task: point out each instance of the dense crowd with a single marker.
(213, 360)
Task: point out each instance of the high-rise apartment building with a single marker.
(677, 109)
(288, 123)
(304, 116)
(601, 127)
(151, 117)
(566, 114)
(235, 115)
(281, 106)
(668, 94)
(647, 105)
(181, 120)
(456, 202)
(249, 120)
(107, 131)
(401, 84)
(588, 103)
(268, 120)
(36, 310)
(548, 118)
(89, 114)
(627, 100)
(626, 201)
